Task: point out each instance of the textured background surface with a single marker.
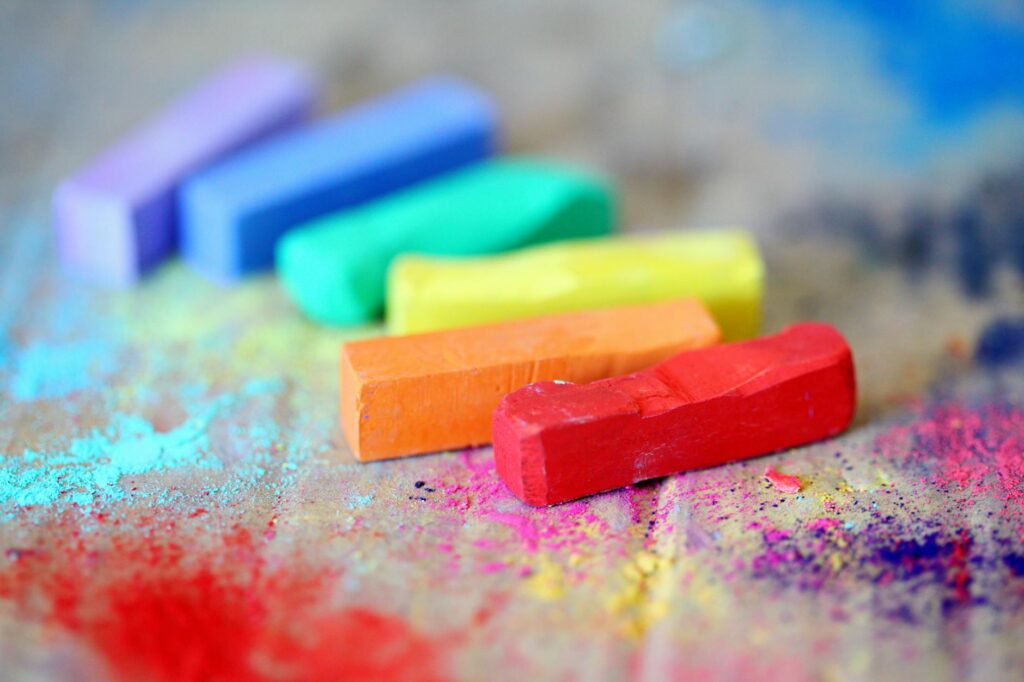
(176, 501)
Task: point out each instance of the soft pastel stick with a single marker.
(722, 268)
(555, 442)
(336, 268)
(117, 217)
(233, 214)
(403, 395)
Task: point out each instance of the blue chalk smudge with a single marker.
(90, 471)
(358, 501)
(45, 371)
(1001, 343)
(954, 59)
(916, 245)
(973, 259)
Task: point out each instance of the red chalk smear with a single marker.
(154, 610)
(959, 571)
(784, 483)
(359, 644)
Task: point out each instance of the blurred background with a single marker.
(705, 111)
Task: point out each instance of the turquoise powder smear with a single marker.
(91, 471)
(46, 371)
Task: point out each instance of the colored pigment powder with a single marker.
(214, 608)
(896, 560)
(45, 371)
(916, 562)
(967, 449)
(926, 47)
(1001, 343)
(91, 471)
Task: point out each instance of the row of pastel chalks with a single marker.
(579, 403)
(232, 174)
(232, 167)
(234, 164)
(394, 205)
(229, 170)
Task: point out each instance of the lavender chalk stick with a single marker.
(117, 217)
(234, 213)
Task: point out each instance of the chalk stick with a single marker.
(336, 268)
(722, 268)
(117, 217)
(404, 395)
(557, 442)
(234, 213)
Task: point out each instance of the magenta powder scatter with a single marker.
(966, 449)
(920, 560)
(919, 570)
(467, 489)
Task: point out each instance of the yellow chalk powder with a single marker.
(640, 600)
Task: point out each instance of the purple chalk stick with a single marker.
(117, 217)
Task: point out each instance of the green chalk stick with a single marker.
(336, 267)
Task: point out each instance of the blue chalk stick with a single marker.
(234, 213)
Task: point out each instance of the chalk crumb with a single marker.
(784, 483)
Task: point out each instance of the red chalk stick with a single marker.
(555, 442)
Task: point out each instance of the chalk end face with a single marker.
(479, 110)
(593, 211)
(351, 403)
(295, 79)
(207, 236)
(513, 451)
(577, 204)
(363, 398)
(517, 434)
(327, 292)
(220, 239)
(95, 234)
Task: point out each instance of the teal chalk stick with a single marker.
(335, 268)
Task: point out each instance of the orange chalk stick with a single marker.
(406, 395)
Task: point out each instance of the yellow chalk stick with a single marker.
(720, 267)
